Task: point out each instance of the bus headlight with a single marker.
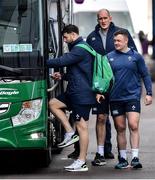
(30, 111)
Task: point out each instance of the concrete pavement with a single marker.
(56, 171)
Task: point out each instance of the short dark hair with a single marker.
(122, 31)
(70, 28)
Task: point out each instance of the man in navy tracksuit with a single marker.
(78, 97)
(129, 69)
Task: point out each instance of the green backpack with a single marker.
(103, 77)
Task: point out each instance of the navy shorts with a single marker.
(101, 108)
(78, 110)
(118, 108)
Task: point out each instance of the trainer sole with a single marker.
(77, 170)
(138, 166)
(69, 143)
(123, 167)
(99, 164)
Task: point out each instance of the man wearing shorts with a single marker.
(78, 97)
(129, 69)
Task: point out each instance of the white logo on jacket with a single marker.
(111, 59)
(130, 58)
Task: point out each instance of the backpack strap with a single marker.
(87, 48)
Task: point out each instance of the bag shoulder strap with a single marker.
(88, 48)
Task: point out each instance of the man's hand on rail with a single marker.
(56, 76)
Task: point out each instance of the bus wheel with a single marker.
(52, 138)
(46, 155)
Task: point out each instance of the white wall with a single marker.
(141, 13)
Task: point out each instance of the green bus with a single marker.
(30, 32)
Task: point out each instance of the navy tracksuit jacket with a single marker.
(79, 65)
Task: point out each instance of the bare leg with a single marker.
(133, 123)
(82, 127)
(56, 108)
(120, 126)
(100, 129)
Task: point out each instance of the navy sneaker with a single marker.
(135, 163)
(98, 160)
(123, 164)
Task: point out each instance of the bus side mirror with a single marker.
(79, 1)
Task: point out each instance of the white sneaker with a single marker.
(76, 166)
(68, 141)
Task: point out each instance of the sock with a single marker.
(100, 150)
(134, 152)
(80, 161)
(69, 134)
(123, 153)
